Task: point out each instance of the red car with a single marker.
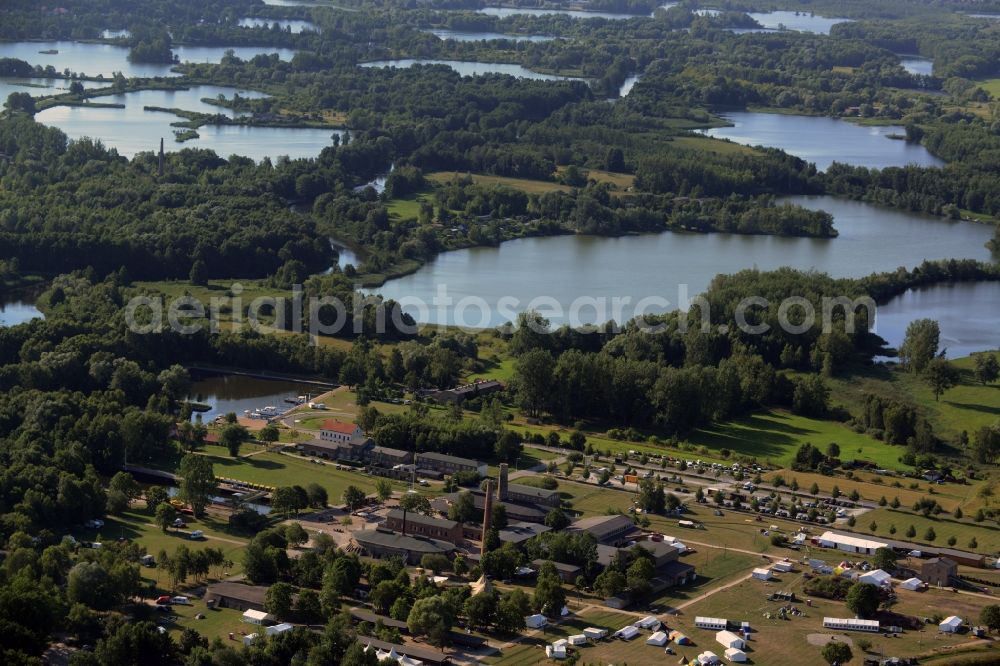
(163, 601)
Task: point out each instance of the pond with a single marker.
(133, 129)
(106, 59)
(798, 21)
(18, 307)
(462, 36)
(565, 268)
(472, 68)
(917, 65)
(824, 140)
(240, 394)
(967, 312)
(345, 255)
(295, 26)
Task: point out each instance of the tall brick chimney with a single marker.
(502, 483)
(487, 514)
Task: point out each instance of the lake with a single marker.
(461, 36)
(564, 268)
(472, 68)
(967, 312)
(799, 22)
(106, 59)
(824, 140)
(345, 255)
(237, 393)
(503, 12)
(917, 65)
(18, 307)
(295, 26)
(132, 129)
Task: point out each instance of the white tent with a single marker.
(762, 574)
(257, 617)
(249, 639)
(878, 577)
(729, 640)
(658, 639)
(708, 657)
(594, 633)
(911, 584)
(627, 633)
(950, 624)
(553, 652)
(560, 644)
(279, 629)
(734, 655)
(648, 622)
(536, 621)
(407, 661)
(577, 639)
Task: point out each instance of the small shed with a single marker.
(782, 567)
(560, 644)
(736, 656)
(950, 624)
(257, 617)
(536, 621)
(912, 584)
(708, 657)
(658, 639)
(648, 622)
(730, 640)
(279, 629)
(595, 633)
(762, 574)
(679, 638)
(577, 639)
(552, 652)
(249, 639)
(627, 633)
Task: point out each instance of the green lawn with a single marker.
(987, 534)
(774, 436)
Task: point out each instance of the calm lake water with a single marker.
(105, 59)
(133, 129)
(564, 268)
(917, 65)
(824, 140)
(18, 307)
(295, 26)
(575, 13)
(236, 393)
(819, 25)
(471, 68)
(968, 313)
(461, 36)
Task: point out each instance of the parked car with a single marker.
(163, 600)
(196, 535)
(180, 600)
(178, 522)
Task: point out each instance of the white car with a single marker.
(180, 600)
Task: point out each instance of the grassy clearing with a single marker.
(968, 406)
(524, 184)
(708, 144)
(620, 181)
(774, 436)
(218, 622)
(784, 642)
(987, 534)
(992, 86)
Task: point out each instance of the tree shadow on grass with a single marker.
(986, 409)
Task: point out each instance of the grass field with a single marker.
(992, 86)
(775, 436)
(784, 642)
(987, 534)
(968, 406)
(526, 185)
